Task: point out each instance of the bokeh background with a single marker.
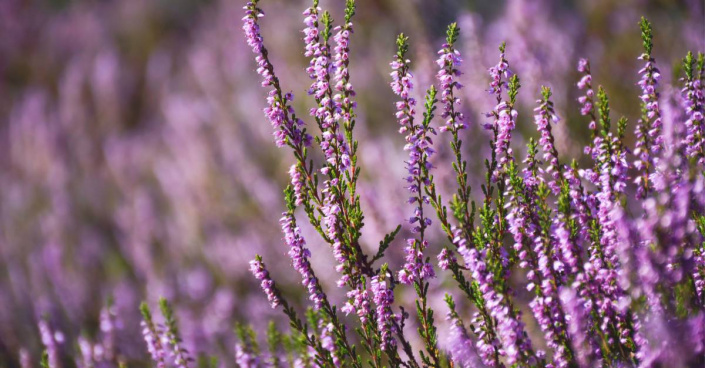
(135, 160)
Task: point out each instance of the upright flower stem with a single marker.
(649, 140)
(417, 270)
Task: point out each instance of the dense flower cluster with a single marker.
(260, 272)
(300, 258)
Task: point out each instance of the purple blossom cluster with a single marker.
(449, 61)
(384, 299)
(260, 272)
(300, 255)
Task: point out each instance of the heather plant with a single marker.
(138, 166)
(615, 278)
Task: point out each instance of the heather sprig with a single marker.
(172, 335)
(449, 61)
(152, 337)
(417, 268)
(461, 349)
(694, 104)
(648, 130)
(545, 116)
(587, 101)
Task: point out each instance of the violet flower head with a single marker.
(418, 143)
(384, 299)
(694, 105)
(287, 128)
(107, 329)
(333, 227)
(505, 123)
(460, 345)
(449, 61)
(503, 113)
(416, 268)
(297, 183)
(260, 272)
(328, 341)
(648, 131)
(401, 81)
(300, 255)
(330, 108)
(499, 74)
(545, 116)
(510, 329)
(576, 318)
(244, 358)
(152, 337)
(358, 303)
(311, 37)
(446, 259)
(171, 336)
(341, 60)
(251, 28)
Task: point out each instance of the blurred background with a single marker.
(135, 160)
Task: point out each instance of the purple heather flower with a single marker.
(300, 255)
(329, 111)
(648, 130)
(86, 349)
(330, 108)
(532, 247)
(576, 316)
(693, 102)
(449, 61)
(497, 73)
(341, 59)
(460, 346)
(282, 116)
(244, 358)
(579, 201)
(153, 341)
(415, 269)
(402, 87)
(569, 253)
(251, 28)
(486, 343)
(587, 103)
(328, 342)
(311, 38)
(332, 226)
(699, 273)
(418, 143)
(358, 303)
(510, 329)
(258, 269)
(384, 299)
(25, 358)
(445, 259)
(545, 115)
(50, 340)
(505, 123)
(297, 182)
